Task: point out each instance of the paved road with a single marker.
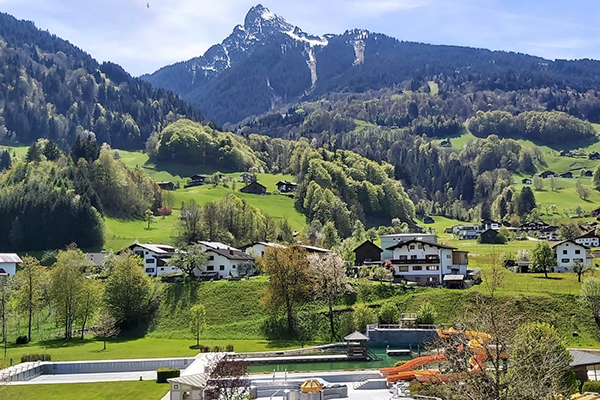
(87, 378)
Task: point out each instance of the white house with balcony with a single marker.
(156, 258)
(8, 263)
(427, 262)
(568, 252)
(388, 241)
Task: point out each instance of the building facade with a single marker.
(388, 241)
(156, 258)
(589, 239)
(425, 262)
(569, 252)
(8, 263)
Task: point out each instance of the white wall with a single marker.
(392, 240)
(151, 267)
(589, 242)
(9, 268)
(218, 261)
(567, 252)
(257, 250)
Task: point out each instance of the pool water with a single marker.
(386, 361)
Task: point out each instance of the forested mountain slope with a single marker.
(52, 89)
(267, 61)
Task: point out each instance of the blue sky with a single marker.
(142, 40)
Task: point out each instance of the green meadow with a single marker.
(89, 391)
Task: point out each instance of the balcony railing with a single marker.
(434, 260)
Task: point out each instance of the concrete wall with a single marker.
(400, 336)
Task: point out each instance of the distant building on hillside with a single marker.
(254, 188)
(589, 239)
(286, 187)
(567, 253)
(388, 241)
(526, 181)
(167, 185)
(247, 177)
(588, 173)
(566, 153)
(594, 155)
(196, 180)
(8, 263)
(156, 258)
(567, 175)
(547, 174)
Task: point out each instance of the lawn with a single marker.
(89, 391)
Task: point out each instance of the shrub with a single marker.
(388, 313)
(162, 374)
(22, 340)
(427, 313)
(35, 357)
(363, 316)
(217, 349)
(591, 386)
(204, 349)
(229, 348)
(400, 363)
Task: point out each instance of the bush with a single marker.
(388, 313)
(217, 349)
(400, 363)
(35, 357)
(22, 340)
(591, 386)
(162, 374)
(427, 313)
(229, 348)
(363, 315)
(204, 349)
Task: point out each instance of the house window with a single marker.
(448, 256)
(149, 270)
(162, 269)
(417, 268)
(433, 268)
(564, 252)
(210, 268)
(150, 260)
(139, 253)
(233, 267)
(403, 269)
(211, 258)
(413, 257)
(412, 246)
(577, 251)
(222, 268)
(565, 261)
(402, 258)
(420, 247)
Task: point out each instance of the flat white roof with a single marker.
(9, 258)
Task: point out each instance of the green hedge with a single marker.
(35, 357)
(591, 386)
(162, 374)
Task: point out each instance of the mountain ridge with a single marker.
(268, 62)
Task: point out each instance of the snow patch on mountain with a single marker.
(359, 52)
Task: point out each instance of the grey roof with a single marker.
(314, 249)
(232, 254)
(9, 258)
(554, 245)
(156, 248)
(356, 337)
(581, 358)
(96, 258)
(197, 380)
(454, 278)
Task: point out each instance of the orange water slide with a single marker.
(413, 364)
(477, 368)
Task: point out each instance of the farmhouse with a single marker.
(589, 239)
(588, 173)
(466, 232)
(533, 226)
(427, 262)
(526, 181)
(8, 263)
(156, 258)
(492, 236)
(567, 253)
(196, 180)
(167, 185)
(489, 224)
(566, 153)
(254, 188)
(594, 155)
(257, 249)
(391, 240)
(548, 174)
(445, 143)
(286, 187)
(567, 175)
(367, 253)
(549, 233)
(223, 260)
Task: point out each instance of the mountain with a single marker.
(52, 89)
(268, 62)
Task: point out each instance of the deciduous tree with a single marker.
(29, 281)
(197, 321)
(289, 280)
(542, 258)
